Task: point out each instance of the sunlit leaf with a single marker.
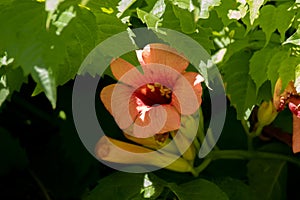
(254, 6)
(267, 22)
(287, 70)
(284, 18)
(64, 19)
(159, 8)
(44, 77)
(295, 38)
(123, 6)
(206, 6)
(186, 18)
(274, 65)
(151, 20)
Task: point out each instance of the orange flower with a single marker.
(150, 101)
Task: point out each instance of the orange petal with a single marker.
(105, 96)
(159, 119)
(165, 55)
(187, 93)
(120, 67)
(118, 100)
(296, 134)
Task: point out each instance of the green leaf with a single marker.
(240, 88)
(284, 18)
(44, 77)
(267, 20)
(254, 6)
(223, 9)
(246, 20)
(198, 189)
(236, 189)
(159, 8)
(170, 20)
(123, 6)
(151, 20)
(10, 81)
(51, 5)
(206, 6)
(30, 44)
(259, 65)
(186, 18)
(122, 186)
(287, 70)
(4, 92)
(265, 92)
(267, 178)
(64, 19)
(295, 38)
(274, 65)
(12, 155)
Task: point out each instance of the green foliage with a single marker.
(241, 93)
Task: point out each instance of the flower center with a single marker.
(154, 93)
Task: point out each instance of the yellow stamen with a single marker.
(157, 85)
(151, 87)
(162, 92)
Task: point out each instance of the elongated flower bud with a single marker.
(156, 142)
(116, 151)
(185, 146)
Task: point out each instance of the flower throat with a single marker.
(154, 93)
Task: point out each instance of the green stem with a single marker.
(249, 134)
(245, 155)
(40, 184)
(202, 166)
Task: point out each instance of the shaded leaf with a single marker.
(198, 189)
(267, 178)
(236, 189)
(124, 186)
(240, 88)
(259, 65)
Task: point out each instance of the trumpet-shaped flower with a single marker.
(151, 100)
